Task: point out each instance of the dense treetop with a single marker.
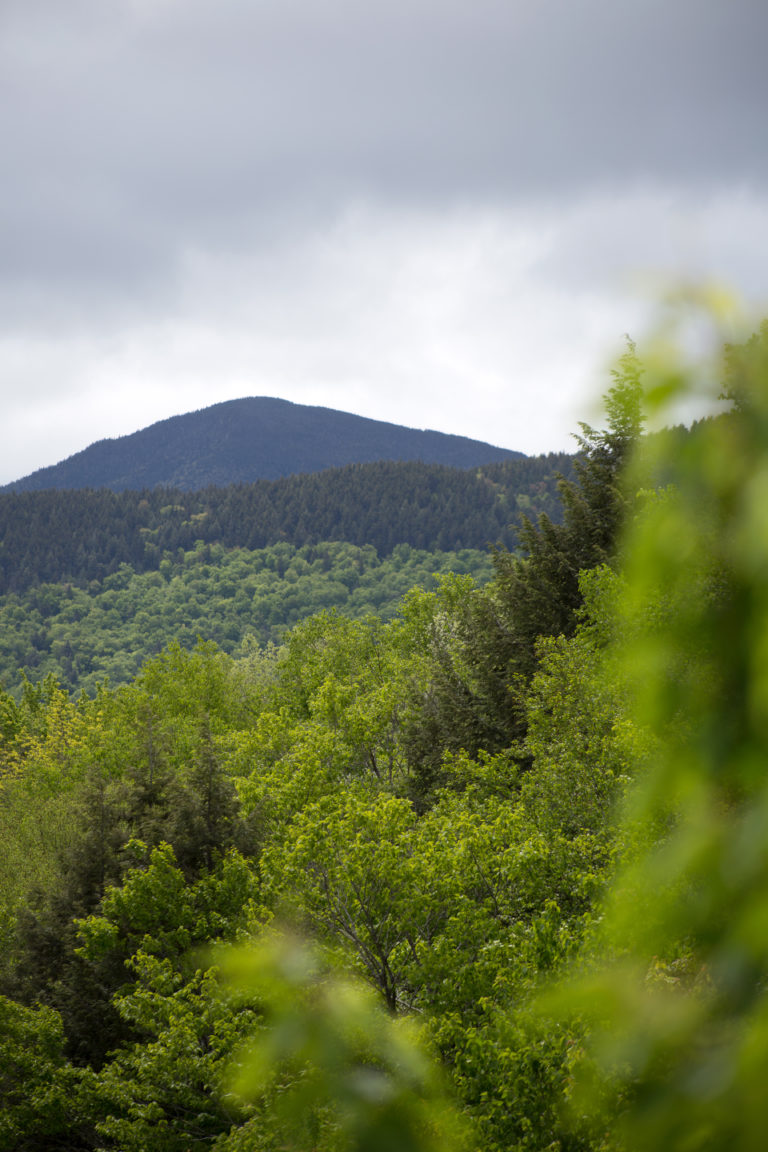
(236, 597)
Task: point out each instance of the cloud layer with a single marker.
(426, 212)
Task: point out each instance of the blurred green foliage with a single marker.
(338, 1070)
(675, 985)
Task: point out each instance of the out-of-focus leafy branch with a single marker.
(338, 1070)
(675, 991)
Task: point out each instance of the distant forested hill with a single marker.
(81, 635)
(256, 438)
(80, 536)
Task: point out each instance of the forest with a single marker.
(486, 874)
(82, 536)
(106, 630)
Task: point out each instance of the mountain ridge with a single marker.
(248, 439)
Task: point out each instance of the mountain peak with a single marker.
(253, 438)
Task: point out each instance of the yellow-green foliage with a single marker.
(109, 628)
(677, 996)
(337, 1071)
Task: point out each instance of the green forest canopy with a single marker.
(523, 823)
(82, 635)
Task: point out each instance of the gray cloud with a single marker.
(131, 129)
(494, 323)
(423, 210)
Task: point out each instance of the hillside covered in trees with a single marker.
(490, 874)
(256, 438)
(77, 536)
(235, 597)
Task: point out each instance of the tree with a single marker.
(484, 648)
(42, 1097)
(335, 1071)
(675, 990)
(350, 866)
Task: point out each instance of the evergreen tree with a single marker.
(540, 595)
(485, 650)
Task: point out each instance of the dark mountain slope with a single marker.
(240, 441)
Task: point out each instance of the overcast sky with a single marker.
(443, 213)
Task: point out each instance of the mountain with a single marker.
(241, 441)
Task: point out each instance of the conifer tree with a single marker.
(486, 653)
(539, 595)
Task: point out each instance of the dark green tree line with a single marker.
(79, 536)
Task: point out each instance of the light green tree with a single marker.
(675, 996)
